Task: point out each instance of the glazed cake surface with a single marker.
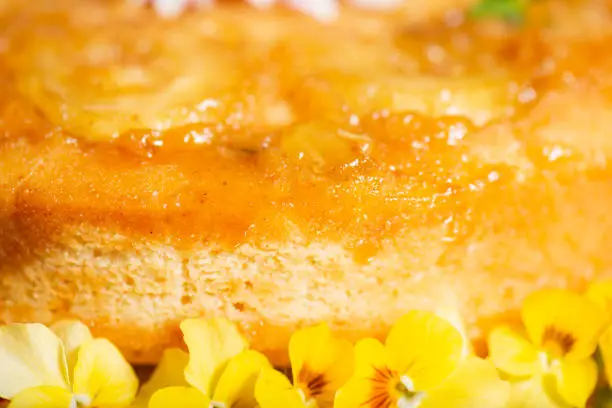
(280, 171)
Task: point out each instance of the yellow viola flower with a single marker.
(601, 293)
(532, 392)
(62, 366)
(562, 329)
(169, 372)
(220, 370)
(421, 364)
(605, 348)
(320, 364)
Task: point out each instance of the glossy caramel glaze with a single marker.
(237, 126)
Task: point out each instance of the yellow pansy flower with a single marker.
(601, 293)
(421, 364)
(170, 371)
(533, 392)
(220, 371)
(605, 348)
(562, 329)
(320, 364)
(62, 366)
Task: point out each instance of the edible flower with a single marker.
(601, 293)
(62, 367)
(421, 364)
(561, 332)
(605, 349)
(170, 371)
(220, 372)
(534, 392)
(320, 362)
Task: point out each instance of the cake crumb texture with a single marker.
(282, 171)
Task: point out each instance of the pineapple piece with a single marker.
(584, 107)
(101, 86)
(480, 98)
(320, 145)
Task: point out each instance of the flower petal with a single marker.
(169, 372)
(565, 312)
(236, 386)
(184, 397)
(576, 380)
(44, 396)
(475, 383)
(273, 390)
(531, 393)
(369, 354)
(451, 314)
(512, 353)
(359, 393)
(424, 347)
(368, 388)
(211, 343)
(31, 356)
(601, 293)
(102, 374)
(605, 348)
(315, 352)
(72, 333)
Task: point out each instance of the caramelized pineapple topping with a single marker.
(237, 120)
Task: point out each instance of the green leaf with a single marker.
(511, 10)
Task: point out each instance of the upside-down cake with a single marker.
(281, 170)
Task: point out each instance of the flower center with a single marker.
(410, 398)
(310, 383)
(389, 389)
(80, 401)
(308, 402)
(411, 402)
(557, 343)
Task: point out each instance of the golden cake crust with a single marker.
(280, 172)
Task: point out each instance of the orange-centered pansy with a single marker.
(320, 362)
(561, 333)
(422, 364)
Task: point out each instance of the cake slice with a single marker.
(279, 171)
